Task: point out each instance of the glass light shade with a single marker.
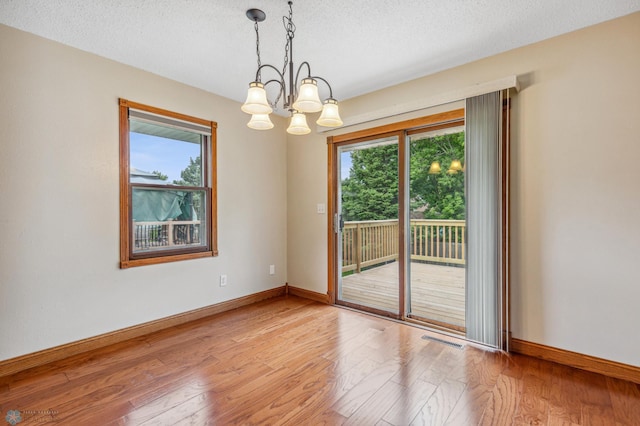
(256, 102)
(260, 122)
(434, 168)
(452, 172)
(308, 99)
(298, 125)
(455, 165)
(330, 116)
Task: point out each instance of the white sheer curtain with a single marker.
(483, 192)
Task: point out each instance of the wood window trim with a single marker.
(210, 161)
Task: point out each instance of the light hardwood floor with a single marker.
(437, 291)
(292, 361)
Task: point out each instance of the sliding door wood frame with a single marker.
(408, 127)
(333, 205)
(401, 130)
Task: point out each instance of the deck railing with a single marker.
(440, 241)
(372, 242)
(151, 235)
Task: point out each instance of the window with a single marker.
(167, 186)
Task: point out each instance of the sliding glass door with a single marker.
(420, 229)
(367, 225)
(437, 227)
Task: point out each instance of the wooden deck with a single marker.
(437, 291)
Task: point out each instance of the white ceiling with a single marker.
(358, 45)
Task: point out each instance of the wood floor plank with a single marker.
(356, 341)
(154, 408)
(181, 411)
(559, 421)
(624, 399)
(471, 405)
(297, 397)
(352, 376)
(375, 407)
(533, 407)
(29, 385)
(445, 362)
(440, 404)
(324, 418)
(503, 403)
(297, 362)
(317, 408)
(277, 323)
(359, 394)
(413, 370)
(564, 402)
(105, 397)
(258, 395)
(411, 401)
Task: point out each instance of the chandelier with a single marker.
(455, 167)
(299, 98)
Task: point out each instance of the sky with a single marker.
(169, 156)
(345, 165)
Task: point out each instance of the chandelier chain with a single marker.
(258, 49)
(290, 28)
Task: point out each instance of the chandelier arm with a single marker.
(325, 82)
(269, 66)
(283, 87)
(274, 81)
(298, 73)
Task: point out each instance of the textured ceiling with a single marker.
(358, 45)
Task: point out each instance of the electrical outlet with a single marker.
(272, 269)
(223, 280)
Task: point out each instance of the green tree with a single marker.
(439, 195)
(192, 174)
(161, 175)
(371, 190)
(192, 201)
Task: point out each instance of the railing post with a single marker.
(358, 245)
(170, 233)
(394, 234)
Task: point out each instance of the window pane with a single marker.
(368, 194)
(168, 219)
(437, 237)
(164, 155)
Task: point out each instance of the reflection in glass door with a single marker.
(368, 240)
(437, 227)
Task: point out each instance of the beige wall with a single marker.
(59, 194)
(575, 201)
